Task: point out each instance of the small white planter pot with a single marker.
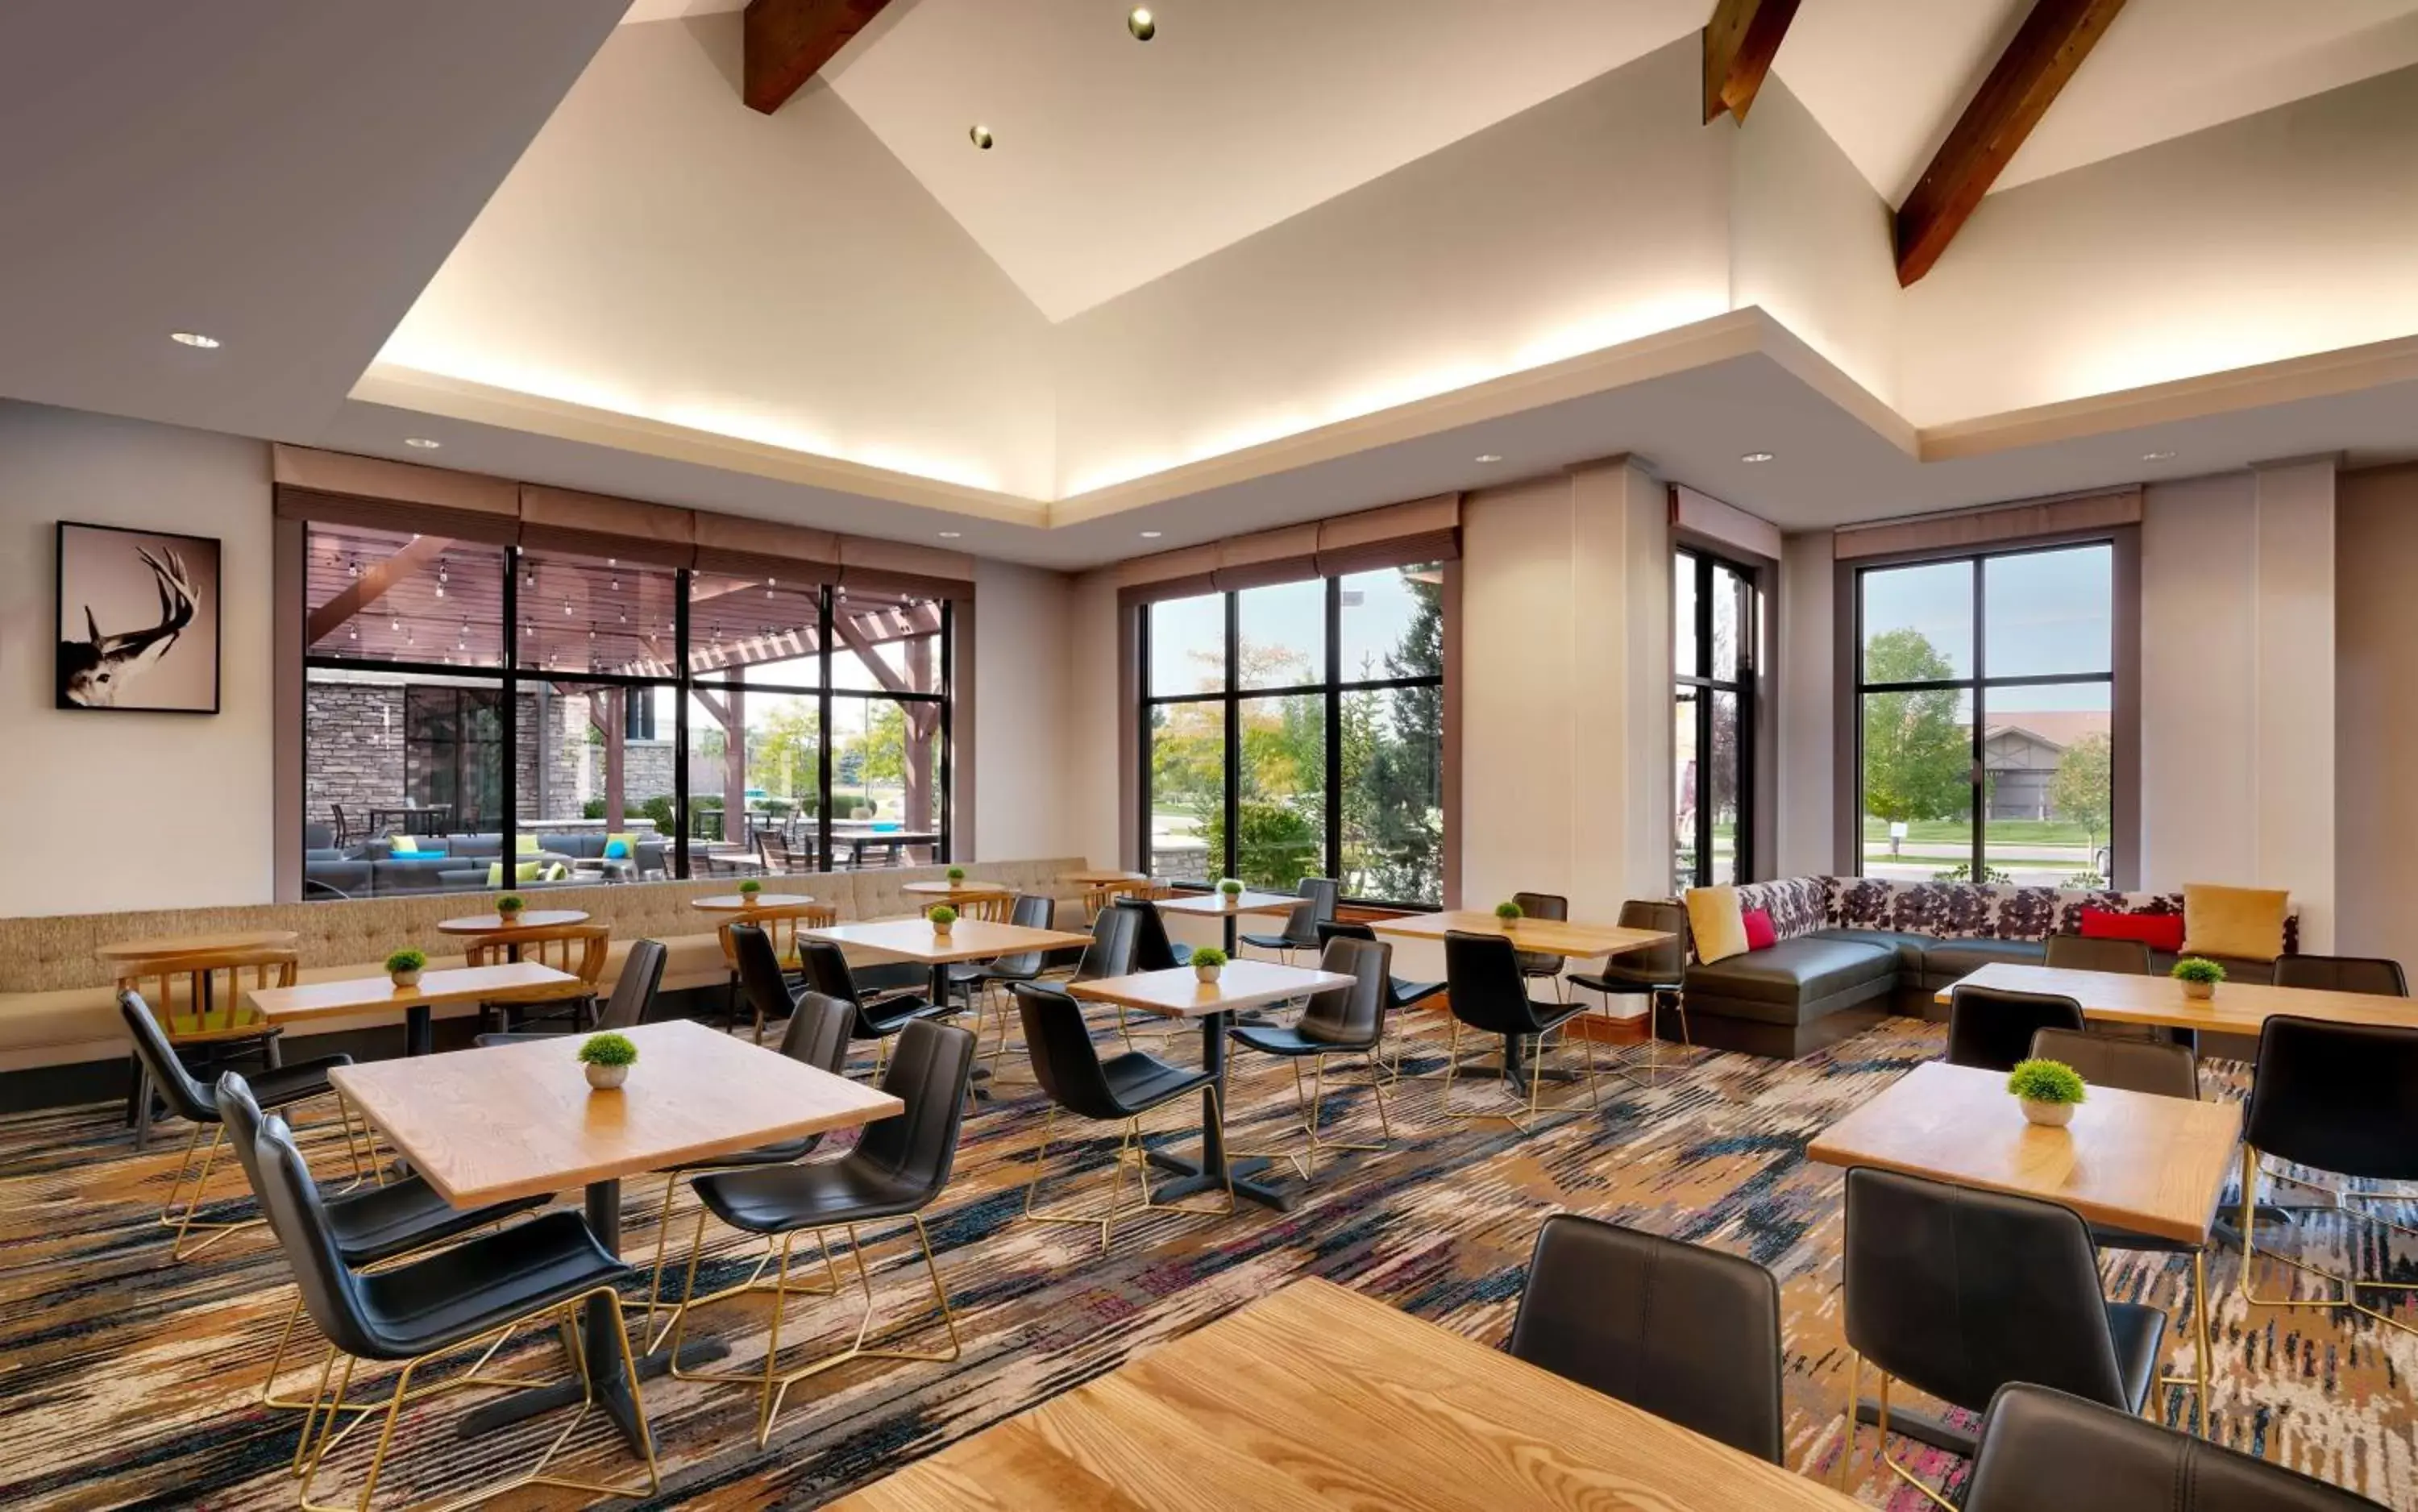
(1208, 974)
(2048, 1115)
(405, 979)
(749, 900)
(2200, 991)
(604, 1078)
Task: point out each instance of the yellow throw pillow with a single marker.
(524, 872)
(1717, 922)
(2245, 922)
(527, 845)
(402, 844)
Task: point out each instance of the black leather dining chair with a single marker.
(1153, 950)
(2370, 974)
(2334, 1097)
(1319, 896)
(1658, 972)
(2082, 953)
(879, 1016)
(1957, 1291)
(1485, 991)
(2044, 1451)
(975, 978)
(1339, 1021)
(1400, 992)
(1992, 1028)
(369, 1225)
(477, 1291)
(898, 1168)
(633, 999)
(1538, 964)
(2159, 1070)
(1119, 1090)
(288, 1086)
(1688, 1334)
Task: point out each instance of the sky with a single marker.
(1187, 635)
(2047, 613)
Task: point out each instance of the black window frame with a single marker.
(1745, 686)
(1333, 689)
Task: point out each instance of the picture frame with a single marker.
(139, 622)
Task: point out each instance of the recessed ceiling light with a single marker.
(951, 535)
(1140, 22)
(1756, 456)
(424, 443)
(1151, 535)
(1489, 456)
(980, 136)
(193, 338)
(2155, 456)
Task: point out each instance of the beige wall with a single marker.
(2376, 714)
(1022, 704)
(111, 811)
(1807, 675)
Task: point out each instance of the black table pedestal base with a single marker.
(1191, 1180)
(1923, 1428)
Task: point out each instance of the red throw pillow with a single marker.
(2159, 931)
(1759, 932)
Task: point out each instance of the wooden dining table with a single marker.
(967, 940)
(1215, 905)
(488, 1126)
(1317, 1397)
(1572, 941)
(515, 982)
(1179, 993)
(2238, 1007)
(495, 923)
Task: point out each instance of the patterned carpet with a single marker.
(127, 1379)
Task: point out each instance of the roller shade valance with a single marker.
(597, 525)
(765, 548)
(372, 494)
(1399, 535)
(1989, 527)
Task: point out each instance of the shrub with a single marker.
(711, 802)
(1274, 842)
(1208, 955)
(2198, 968)
(659, 808)
(2045, 1081)
(1507, 911)
(592, 809)
(406, 960)
(943, 916)
(608, 1049)
(750, 888)
(778, 807)
(1963, 872)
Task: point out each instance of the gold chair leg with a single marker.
(1855, 1391)
(2349, 1286)
(2201, 1348)
(1880, 1451)
(1312, 1111)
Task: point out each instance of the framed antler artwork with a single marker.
(138, 620)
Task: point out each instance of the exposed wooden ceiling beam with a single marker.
(2051, 44)
(372, 585)
(1739, 43)
(785, 43)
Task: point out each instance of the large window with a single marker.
(1713, 639)
(1984, 703)
(727, 720)
(1297, 730)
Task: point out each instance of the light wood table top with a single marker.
(1094, 877)
(2238, 1008)
(488, 1126)
(1178, 992)
(1317, 1397)
(737, 902)
(1550, 936)
(518, 982)
(951, 892)
(495, 923)
(1212, 904)
(125, 951)
(969, 939)
(2132, 1160)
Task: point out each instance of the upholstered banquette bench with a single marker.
(1850, 950)
(59, 1008)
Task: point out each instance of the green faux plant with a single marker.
(943, 916)
(957, 873)
(607, 1049)
(1508, 912)
(2198, 968)
(1208, 955)
(2046, 1081)
(750, 888)
(1231, 887)
(511, 902)
(406, 960)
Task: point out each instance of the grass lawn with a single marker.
(2006, 832)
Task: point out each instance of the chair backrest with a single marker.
(2043, 1451)
(1112, 950)
(580, 949)
(240, 1112)
(1342, 929)
(1064, 1060)
(819, 1029)
(930, 1068)
(1543, 905)
(2079, 953)
(1688, 1334)
(1352, 1017)
(984, 908)
(826, 970)
(759, 972)
(201, 994)
(635, 989)
(1993, 1029)
(1932, 1273)
(2371, 974)
(1152, 950)
(2341, 1097)
(2127, 1064)
(290, 1199)
(1031, 910)
(1318, 895)
(1667, 961)
(185, 1096)
(1483, 985)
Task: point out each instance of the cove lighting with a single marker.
(195, 338)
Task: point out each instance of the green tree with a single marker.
(1918, 757)
(2083, 791)
(782, 751)
(1392, 746)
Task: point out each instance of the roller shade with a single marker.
(1982, 527)
(909, 572)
